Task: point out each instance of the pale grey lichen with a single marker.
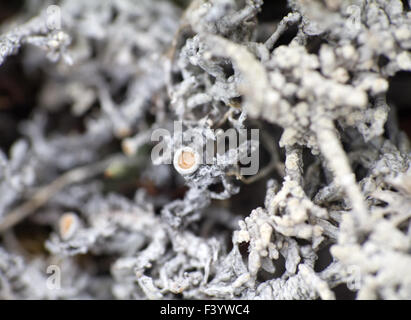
(329, 209)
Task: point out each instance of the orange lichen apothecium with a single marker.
(186, 160)
(67, 225)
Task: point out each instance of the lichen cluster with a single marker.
(328, 214)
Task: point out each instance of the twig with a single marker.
(46, 193)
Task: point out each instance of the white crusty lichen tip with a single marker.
(186, 160)
(68, 225)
